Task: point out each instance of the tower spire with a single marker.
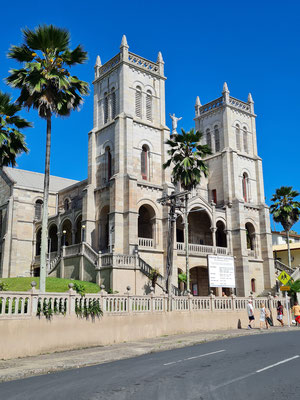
(198, 103)
(160, 63)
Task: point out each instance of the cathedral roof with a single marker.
(35, 180)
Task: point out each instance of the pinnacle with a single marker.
(250, 99)
(124, 41)
(98, 61)
(225, 88)
(160, 57)
(198, 102)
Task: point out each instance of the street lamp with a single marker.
(64, 237)
(82, 232)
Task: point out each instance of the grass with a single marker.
(52, 284)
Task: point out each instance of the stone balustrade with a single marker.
(145, 242)
(201, 249)
(32, 303)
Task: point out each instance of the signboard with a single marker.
(285, 288)
(221, 271)
(284, 278)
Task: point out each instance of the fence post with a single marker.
(102, 302)
(129, 300)
(190, 301)
(212, 301)
(152, 308)
(233, 296)
(72, 295)
(34, 298)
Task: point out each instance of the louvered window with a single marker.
(238, 137)
(217, 139)
(105, 108)
(245, 135)
(113, 104)
(149, 105)
(208, 138)
(138, 102)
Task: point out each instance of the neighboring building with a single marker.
(113, 228)
(280, 252)
(281, 237)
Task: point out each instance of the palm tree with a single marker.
(286, 210)
(186, 157)
(12, 141)
(47, 86)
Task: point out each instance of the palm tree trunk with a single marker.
(289, 250)
(44, 242)
(186, 236)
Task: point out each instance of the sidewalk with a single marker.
(43, 364)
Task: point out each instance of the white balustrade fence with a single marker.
(145, 242)
(32, 303)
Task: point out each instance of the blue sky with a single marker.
(254, 46)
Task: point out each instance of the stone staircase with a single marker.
(108, 260)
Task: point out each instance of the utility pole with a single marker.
(174, 201)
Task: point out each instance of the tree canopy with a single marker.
(12, 140)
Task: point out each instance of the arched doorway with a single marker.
(221, 240)
(199, 227)
(250, 238)
(103, 229)
(199, 281)
(66, 230)
(38, 242)
(78, 233)
(146, 226)
(179, 230)
(52, 239)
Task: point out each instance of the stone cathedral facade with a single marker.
(110, 227)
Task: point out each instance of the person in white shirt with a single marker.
(250, 312)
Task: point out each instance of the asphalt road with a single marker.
(252, 367)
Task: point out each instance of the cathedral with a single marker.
(110, 228)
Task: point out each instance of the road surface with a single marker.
(252, 367)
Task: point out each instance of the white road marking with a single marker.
(253, 373)
(280, 362)
(192, 358)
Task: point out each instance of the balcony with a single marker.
(146, 243)
(201, 249)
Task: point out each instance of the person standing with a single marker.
(280, 313)
(296, 312)
(263, 316)
(250, 312)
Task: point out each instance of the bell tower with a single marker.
(126, 150)
(235, 183)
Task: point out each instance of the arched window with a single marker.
(144, 162)
(245, 187)
(138, 102)
(108, 163)
(217, 138)
(38, 242)
(38, 209)
(105, 108)
(250, 236)
(149, 105)
(253, 289)
(245, 136)
(208, 138)
(113, 104)
(238, 137)
(67, 204)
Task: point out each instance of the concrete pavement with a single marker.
(43, 364)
